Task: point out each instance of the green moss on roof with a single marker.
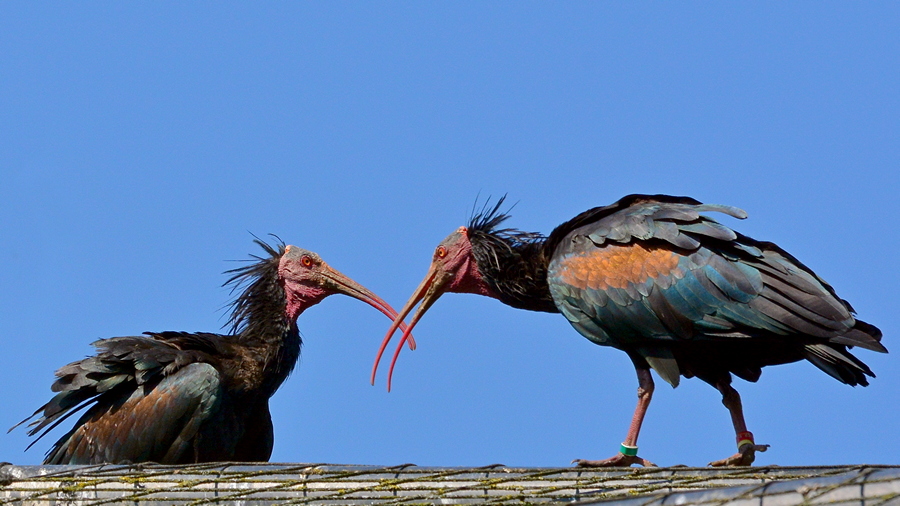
(224, 483)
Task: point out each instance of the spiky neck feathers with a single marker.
(511, 262)
(261, 308)
(262, 317)
(515, 272)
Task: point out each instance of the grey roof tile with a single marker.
(318, 484)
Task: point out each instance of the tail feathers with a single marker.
(77, 386)
(119, 360)
(864, 335)
(838, 363)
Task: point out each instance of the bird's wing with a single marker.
(652, 269)
(146, 401)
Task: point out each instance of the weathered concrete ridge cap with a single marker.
(862, 486)
(264, 484)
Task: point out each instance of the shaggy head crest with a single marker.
(261, 294)
(485, 222)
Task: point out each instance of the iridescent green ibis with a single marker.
(179, 397)
(680, 293)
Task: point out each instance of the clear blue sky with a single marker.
(142, 143)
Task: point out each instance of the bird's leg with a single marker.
(746, 447)
(628, 453)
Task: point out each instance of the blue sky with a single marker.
(142, 143)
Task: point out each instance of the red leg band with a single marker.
(744, 438)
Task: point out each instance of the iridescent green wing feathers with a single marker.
(653, 276)
(146, 400)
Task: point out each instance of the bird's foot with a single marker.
(744, 457)
(619, 460)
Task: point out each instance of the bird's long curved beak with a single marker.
(342, 284)
(430, 290)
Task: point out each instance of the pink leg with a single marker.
(645, 393)
(746, 447)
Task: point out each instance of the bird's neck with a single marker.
(514, 272)
(270, 340)
(270, 355)
(266, 342)
(287, 353)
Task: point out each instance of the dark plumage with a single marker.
(179, 397)
(510, 261)
(677, 291)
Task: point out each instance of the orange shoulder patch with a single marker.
(614, 266)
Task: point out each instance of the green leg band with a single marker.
(630, 451)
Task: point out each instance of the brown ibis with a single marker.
(179, 397)
(653, 276)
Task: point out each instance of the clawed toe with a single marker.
(745, 456)
(619, 460)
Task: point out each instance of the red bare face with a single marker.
(453, 269)
(308, 279)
